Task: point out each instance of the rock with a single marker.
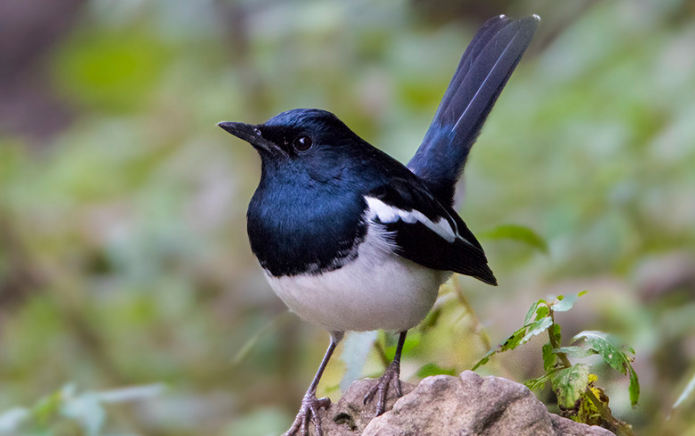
(349, 416)
(468, 405)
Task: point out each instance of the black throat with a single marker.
(294, 231)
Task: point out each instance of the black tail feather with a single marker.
(482, 73)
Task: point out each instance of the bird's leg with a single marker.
(391, 375)
(310, 404)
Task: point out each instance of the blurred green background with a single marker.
(124, 259)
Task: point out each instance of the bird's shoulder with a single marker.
(409, 201)
(423, 229)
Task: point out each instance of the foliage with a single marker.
(123, 254)
(519, 233)
(70, 412)
(573, 383)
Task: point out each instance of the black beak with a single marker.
(250, 134)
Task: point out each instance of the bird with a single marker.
(353, 240)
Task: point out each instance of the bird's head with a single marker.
(299, 138)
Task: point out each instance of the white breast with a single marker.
(378, 290)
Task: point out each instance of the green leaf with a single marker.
(538, 310)
(549, 358)
(604, 346)
(555, 332)
(517, 233)
(485, 359)
(574, 351)
(531, 312)
(539, 382)
(569, 384)
(48, 406)
(600, 343)
(563, 304)
(431, 369)
(517, 338)
(535, 328)
(634, 388)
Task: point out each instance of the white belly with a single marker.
(378, 290)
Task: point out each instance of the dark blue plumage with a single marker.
(484, 69)
(325, 187)
(352, 239)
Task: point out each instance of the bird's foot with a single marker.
(307, 413)
(391, 375)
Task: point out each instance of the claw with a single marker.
(308, 412)
(310, 404)
(391, 375)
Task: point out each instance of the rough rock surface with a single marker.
(468, 405)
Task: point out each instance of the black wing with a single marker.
(425, 231)
(485, 67)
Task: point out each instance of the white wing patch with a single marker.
(389, 214)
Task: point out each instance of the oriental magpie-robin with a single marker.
(351, 239)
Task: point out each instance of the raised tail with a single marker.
(485, 67)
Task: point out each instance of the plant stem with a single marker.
(621, 427)
(477, 326)
(555, 344)
(615, 424)
(381, 353)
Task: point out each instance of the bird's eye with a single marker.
(302, 143)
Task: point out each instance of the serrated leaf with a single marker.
(569, 384)
(600, 343)
(535, 328)
(517, 233)
(538, 310)
(519, 337)
(614, 357)
(574, 351)
(539, 382)
(431, 369)
(525, 333)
